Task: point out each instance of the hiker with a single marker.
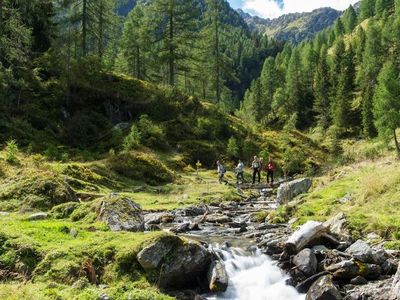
(221, 172)
(270, 171)
(239, 172)
(255, 165)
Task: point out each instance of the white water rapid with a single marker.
(254, 277)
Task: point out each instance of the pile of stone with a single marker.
(325, 263)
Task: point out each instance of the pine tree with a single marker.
(350, 19)
(268, 85)
(367, 9)
(397, 7)
(345, 86)
(383, 5)
(387, 102)
(294, 85)
(367, 76)
(339, 28)
(174, 27)
(321, 89)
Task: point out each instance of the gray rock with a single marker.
(376, 290)
(38, 216)
(186, 264)
(349, 269)
(151, 256)
(304, 286)
(359, 280)
(121, 214)
(158, 218)
(306, 261)
(193, 211)
(395, 291)
(217, 277)
(73, 232)
(185, 227)
(218, 218)
(337, 225)
(361, 251)
(323, 289)
(287, 191)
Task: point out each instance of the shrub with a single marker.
(140, 166)
(151, 134)
(294, 161)
(232, 150)
(198, 150)
(12, 152)
(132, 140)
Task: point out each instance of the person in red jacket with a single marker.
(270, 171)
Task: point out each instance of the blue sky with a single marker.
(276, 8)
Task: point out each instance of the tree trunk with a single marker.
(84, 27)
(171, 62)
(304, 235)
(396, 141)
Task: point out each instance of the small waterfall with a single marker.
(254, 277)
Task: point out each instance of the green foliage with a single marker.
(140, 166)
(132, 140)
(232, 149)
(293, 161)
(12, 152)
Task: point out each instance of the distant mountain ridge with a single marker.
(294, 27)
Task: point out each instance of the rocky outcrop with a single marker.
(323, 289)
(121, 214)
(291, 189)
(178, 263)
(217, 277)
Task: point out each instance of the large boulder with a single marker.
(177, 263)
(323, 289)
(306, 262)
(363, 252)
(121, 214)
(217, 277)
(395, 291)
(287, 191)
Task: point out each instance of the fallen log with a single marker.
(302, 237)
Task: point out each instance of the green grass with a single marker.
(56, 259)
(374, 187)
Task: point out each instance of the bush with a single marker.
(194, 151)
(151, 134)
(232, 150)
(293, 161)
(132, 140)
(140, 166)
(12, 152)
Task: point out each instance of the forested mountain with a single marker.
(341, 83)
(295, 27)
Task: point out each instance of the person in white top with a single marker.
(255, 165)
(240, 172)
(221, 172)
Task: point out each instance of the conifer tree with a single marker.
(367, 76)
(294, 86)
(367, 9)
(321, 90)
(387, 102)
(268, 84)
(350, 19)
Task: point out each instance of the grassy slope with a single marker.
(372, 184)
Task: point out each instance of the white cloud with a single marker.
(270, 9)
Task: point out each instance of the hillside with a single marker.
(295, 27)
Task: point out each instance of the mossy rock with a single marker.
(40, 191)
(141, 166)
(64, 210)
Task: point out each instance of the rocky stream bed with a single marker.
(219, 251)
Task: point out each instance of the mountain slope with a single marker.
(295, 27)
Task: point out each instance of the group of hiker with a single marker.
(257, 167)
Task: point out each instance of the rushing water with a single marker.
(254, 277)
